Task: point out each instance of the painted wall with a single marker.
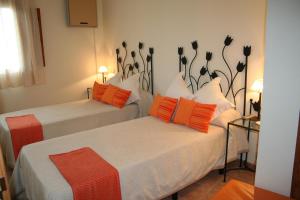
(281, 100)
(70, 58)
(167, 24)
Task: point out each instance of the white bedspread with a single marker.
(62, 119)
(154, 159)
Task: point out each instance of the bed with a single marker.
(62, 119)
(154, 159)
(68, 118)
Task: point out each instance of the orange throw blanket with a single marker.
(89, 175)
(24, 130)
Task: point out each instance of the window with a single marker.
(10, 48)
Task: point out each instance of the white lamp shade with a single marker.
(102, 69)
(257, 86)
(110, 75)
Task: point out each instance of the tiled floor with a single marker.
(205, 188)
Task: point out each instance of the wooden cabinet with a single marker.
(82, 13)
(295, 193)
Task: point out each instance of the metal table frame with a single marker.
(247, 123)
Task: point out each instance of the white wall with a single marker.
(281, 101)
(70, 59)
(167, 24)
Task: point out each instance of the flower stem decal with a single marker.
(230, 76)
(127, 68)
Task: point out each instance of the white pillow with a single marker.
(178, 88)
(115, 80)
(132, 83)
(225, 117)
(145, 102)
(211, 94)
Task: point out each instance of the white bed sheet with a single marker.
(63, 119)
(154, 159)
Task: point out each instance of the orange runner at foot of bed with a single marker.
(89, 175)
(24, 130)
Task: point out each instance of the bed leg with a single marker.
(221, 171)
(175, 196)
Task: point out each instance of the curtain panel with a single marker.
(29, 69)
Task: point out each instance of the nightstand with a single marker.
(249, 123)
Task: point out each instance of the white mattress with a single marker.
(154, 159)
(63, 119)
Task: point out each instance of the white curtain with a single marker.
(20, 57)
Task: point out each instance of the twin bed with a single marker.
(68, 118)
(154, 159)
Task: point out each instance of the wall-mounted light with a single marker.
(257, 86)
(102, 70)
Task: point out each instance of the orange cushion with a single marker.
(163, 107)
(194, 115)
(115, 96)
(184, 111)
(98, 91)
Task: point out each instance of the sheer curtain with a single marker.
(19, 45)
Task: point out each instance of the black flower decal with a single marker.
(136, 65)
(184, 60)
(195, 45)
(117, 51)
(203, 71)
(214, 75)
(133, 54)
(247, 50)
(240, 67)
(180, 50)
(141, 45)
(228, 40)
(130, 68)
(151, 50)
(208, 56)
(124, 44)
(119, 59)
(148, 58)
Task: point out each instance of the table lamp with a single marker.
(257, 87)
(110, 75)
(102, 70)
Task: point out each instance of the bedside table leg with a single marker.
(175, 196)
(241, 159)
(226, 152)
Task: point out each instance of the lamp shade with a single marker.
(257, 86)
(102, 69)
(110, 75)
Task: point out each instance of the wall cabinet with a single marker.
(82, 13)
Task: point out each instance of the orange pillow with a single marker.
(115, 96)
(194, 115)
(98, 90)
(163, 107)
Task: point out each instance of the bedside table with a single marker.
(249, 123)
